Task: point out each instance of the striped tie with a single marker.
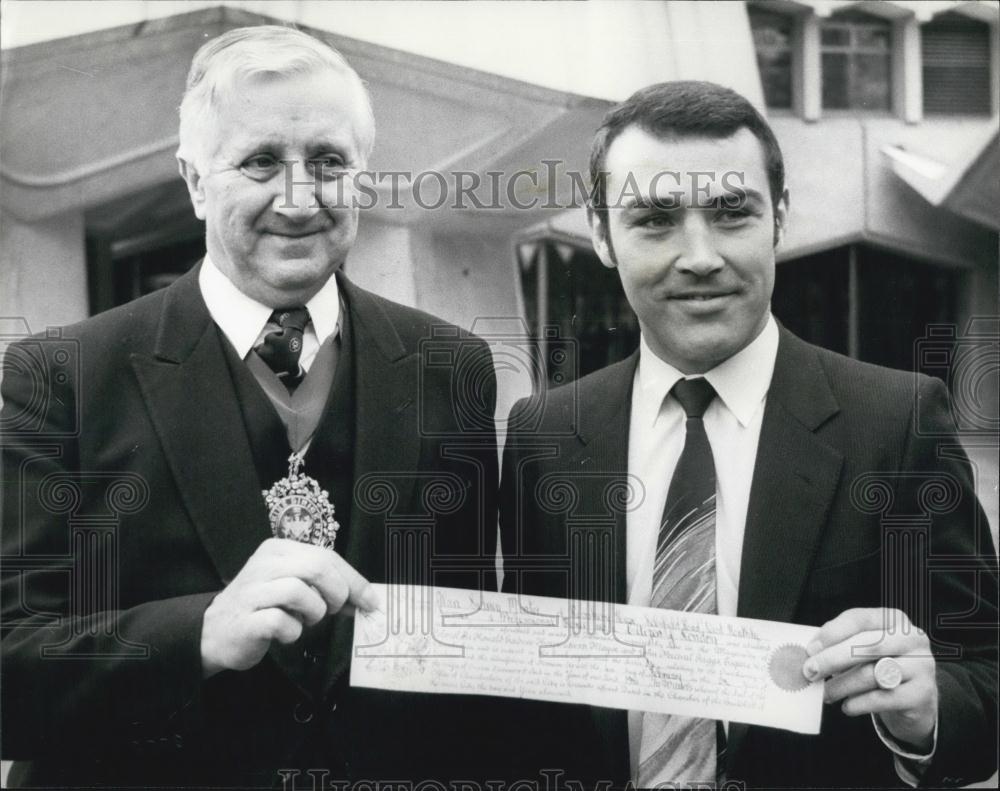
(676, 749)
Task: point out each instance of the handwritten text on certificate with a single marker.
(446, 640)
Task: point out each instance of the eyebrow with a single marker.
(322, 144)
(668, 202)
(642, 203)
(331, 143)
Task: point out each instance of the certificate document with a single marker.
(447, 640)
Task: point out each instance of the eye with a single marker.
(260, 165)
(733, 216)
(328, 167)
(655, 221)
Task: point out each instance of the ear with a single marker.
(196, 188)
(781, 218)
(599, 237)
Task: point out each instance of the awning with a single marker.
(966, 182)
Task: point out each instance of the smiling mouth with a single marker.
(292, 235)
(701, 297)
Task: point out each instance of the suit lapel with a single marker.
(794, 482)
(386, 445)
(387, 437)
(194, 409)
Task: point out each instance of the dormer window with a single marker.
(772, 39)
(857, 62)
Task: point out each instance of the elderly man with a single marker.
(761, 469)
(249, 437)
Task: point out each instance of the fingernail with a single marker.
(810, 669)
(814, 647)
(369, 599)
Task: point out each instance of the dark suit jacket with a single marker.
(861, 497)
(131, 498)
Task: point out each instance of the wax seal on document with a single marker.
(785, 667)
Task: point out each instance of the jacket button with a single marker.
(302, 713)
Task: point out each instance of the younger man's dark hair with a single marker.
(686, 108)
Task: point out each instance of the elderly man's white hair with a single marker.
(253, 51)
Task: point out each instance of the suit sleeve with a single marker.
(962, 579)
(76, 677)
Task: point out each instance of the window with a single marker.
(880, 316)
(898, 298)
(140, 242)
(956, 65)
(772, 38)
(570, 293)
(856, 51)
(811, 298)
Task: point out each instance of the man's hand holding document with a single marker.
(447, 640)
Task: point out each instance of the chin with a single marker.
(303, 273)
(706, 355)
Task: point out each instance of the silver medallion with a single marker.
(299, 509)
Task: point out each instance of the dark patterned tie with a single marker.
(281, 347)
(676, 749)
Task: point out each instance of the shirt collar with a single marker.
(741, 381)
(242, 318)
(324, 310)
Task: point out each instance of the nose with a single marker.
(698, 253)
(301, 195)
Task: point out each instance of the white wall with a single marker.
(380, 261)
(43, 277)
(464, 277)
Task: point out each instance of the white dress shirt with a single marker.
(242, 319)
(656, 439)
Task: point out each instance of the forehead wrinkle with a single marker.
(232, 141)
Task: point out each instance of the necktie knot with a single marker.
(694, 395)
(281, 347)
(297, 318)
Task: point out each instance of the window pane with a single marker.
(835, 36)
(870, 82)
(776, 77)
(772, 37)
(835, 80)
(856, 56)
(872, 38)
